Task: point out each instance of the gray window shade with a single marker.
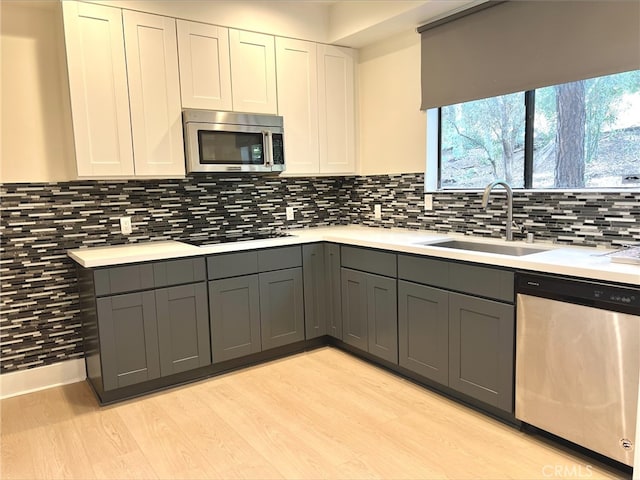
(525, 44)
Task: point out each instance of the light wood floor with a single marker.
(321, 414)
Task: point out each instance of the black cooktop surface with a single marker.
(236, 237)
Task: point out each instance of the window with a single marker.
(583, 134)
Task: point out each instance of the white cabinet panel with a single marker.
(253, 72)
(98, 85)
(154, 94)
(205, 70)
(336, 98)
(296, 63)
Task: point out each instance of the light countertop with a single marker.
(581, 262)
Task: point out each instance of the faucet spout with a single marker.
(485, 204)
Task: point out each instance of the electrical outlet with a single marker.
(290, 213)
(125, 225)
(377, 212)
(428, 201)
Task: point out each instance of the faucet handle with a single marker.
(520, 228)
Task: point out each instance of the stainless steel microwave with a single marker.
(233, 142)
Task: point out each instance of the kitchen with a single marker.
(68, 213)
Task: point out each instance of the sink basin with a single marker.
(514, 250)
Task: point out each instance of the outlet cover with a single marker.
(125, 225)
(428, 201)
(377, 212)
(290, 213)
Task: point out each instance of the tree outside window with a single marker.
(586, 135)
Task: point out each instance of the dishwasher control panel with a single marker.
(600, 295)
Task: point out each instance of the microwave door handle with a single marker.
(268, 148)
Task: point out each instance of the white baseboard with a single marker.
(41, 378)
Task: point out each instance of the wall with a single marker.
(573, 218)
(39, 221)
(39, 310)
(37, 143)
(392, 129)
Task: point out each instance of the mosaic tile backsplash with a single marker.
(579, 218)
(39, 321)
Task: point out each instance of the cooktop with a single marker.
(236, 237)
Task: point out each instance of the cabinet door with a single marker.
(382, 313)
(281, 307)
(253, 72)
(98, 87)
(296, 68)
(355, 330)
(315, 297)
(336, 100)
(205, 68)
(481, 349)
(333, 289)
(423, 330)
(154, 94)
(183, 328)
(234, 306)
(128, 339)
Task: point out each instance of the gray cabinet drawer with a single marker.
(482, 281)
(177, 272)
(144, 276)
(232, 265)
(372, 261)
(279, 258)
(128, 278)
(472, 279)
(423, 270)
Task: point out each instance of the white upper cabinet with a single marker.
(297, 73)
(253, 72)
(205, 70)
(125, 92)
(132, 73)
(316, 97)
(154, 94)
(336, 105)
(98, 86)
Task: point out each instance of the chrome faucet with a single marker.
(485, 204)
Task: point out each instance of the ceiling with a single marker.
(357, 23)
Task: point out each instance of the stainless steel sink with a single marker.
(514, 250)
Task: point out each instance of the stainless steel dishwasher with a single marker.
(578, 361)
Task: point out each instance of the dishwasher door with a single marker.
(577, 373)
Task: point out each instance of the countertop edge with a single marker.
(399, 241)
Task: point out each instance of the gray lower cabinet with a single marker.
(128, 339)
(183, 328)
(463, 341)
(423, 330)
(315, 290)
(382, 312)
(333, 291)
(281, 307)
(355, 328)
(369, 313)
(256, 301)
(322, 299)
(146, 335)
(481, 349)
(234, 306)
